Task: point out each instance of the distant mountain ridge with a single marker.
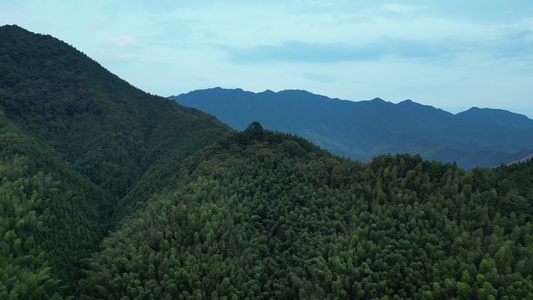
(107, 192)
(365, 129)
(500, 117)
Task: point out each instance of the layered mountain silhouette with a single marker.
(365, 129)
(107, 192)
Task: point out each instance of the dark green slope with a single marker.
(255, 214)
(51, 217)
(101, 146)
(365, 129)
(262, 215)
(109, 130)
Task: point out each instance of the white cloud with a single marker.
(123, 41)
(399, 8)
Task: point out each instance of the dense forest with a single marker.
(107, 192)
(80, 149)
(266, 215)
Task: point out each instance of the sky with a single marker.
(449, 54)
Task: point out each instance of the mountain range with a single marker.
(107, 192)
(362, 130)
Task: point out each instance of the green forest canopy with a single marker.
(108, 192)
(266, 215)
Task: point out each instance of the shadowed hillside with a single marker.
(264, 215)
(100, 146)
(107, 192)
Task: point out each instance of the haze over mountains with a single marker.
(365, 129)
(107, 192)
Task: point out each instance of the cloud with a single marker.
(298, 51)
(517, 45)
(399, 8)
(123, 41)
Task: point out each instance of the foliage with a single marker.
(84, 149)
(50, 218)
(107, 192)
(265, 215)
(106, 129)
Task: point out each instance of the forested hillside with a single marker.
(51, 217)
(266, 215)
(108, 130)
(107, 192)
(364, 129)
(81, 148)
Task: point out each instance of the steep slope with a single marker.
(255, 214)
(263, 215)
(101, 147)
(364, 129)
(51, 217)
(105, 127)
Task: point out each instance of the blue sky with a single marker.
(449, 54)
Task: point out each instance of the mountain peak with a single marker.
(99, 141)
(498, 117)
(12, 27)
(407, 101)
